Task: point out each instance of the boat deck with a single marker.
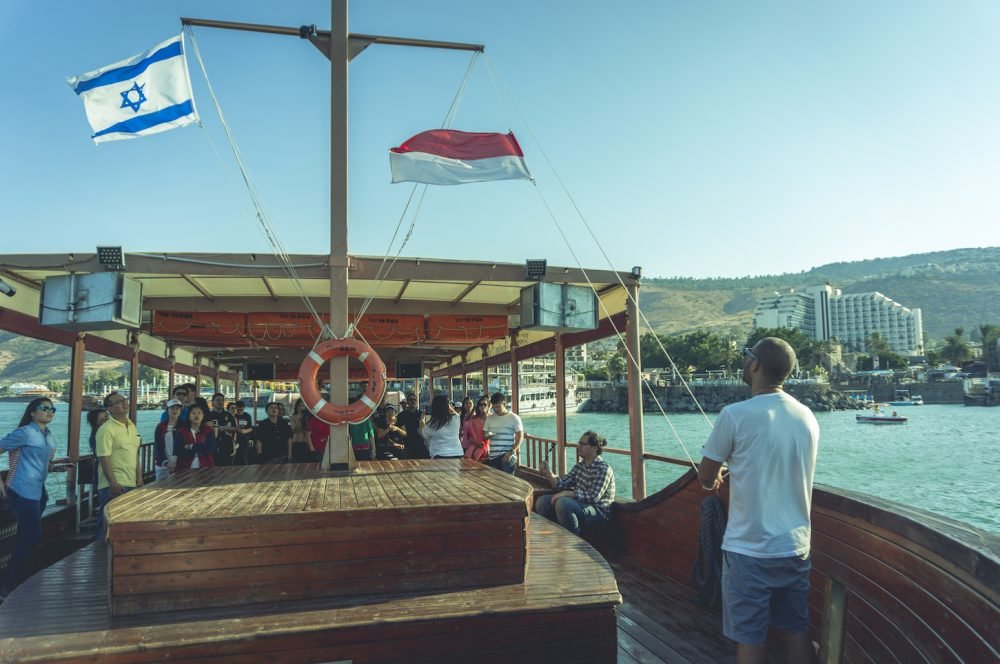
(658, 621)
(564, 609)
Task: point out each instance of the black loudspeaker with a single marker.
(404, 370)
(260, 371)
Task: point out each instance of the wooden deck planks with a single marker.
(62, 613)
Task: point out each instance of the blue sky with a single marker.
(699, 139)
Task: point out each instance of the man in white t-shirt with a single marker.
(769, 443)
(505, 431)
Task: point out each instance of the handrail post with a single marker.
(560, 403)
(75, 410)
(635, 393)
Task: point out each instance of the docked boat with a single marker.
(426, 561)
(904, 398)
(541, 400)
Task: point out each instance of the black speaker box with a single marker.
(260, 371)
(411, 370)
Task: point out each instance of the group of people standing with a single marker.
(484, 431)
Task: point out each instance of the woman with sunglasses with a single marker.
(585, 495)
(31, 448)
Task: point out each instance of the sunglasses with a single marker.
(45, 409)
(749, 353)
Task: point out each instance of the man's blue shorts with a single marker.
(757, 592)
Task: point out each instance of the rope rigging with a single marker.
(634, 362)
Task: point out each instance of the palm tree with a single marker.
(955, 349)
(989, 334)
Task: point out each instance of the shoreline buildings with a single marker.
(823, 313)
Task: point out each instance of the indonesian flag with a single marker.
(446, 156)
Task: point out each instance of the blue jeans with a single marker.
(497, 462)
(105, 497)
(569, 513)
(29, 533)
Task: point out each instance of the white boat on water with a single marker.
(541, 400)
(877, 416)
(903, 398)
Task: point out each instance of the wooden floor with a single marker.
(62, 614)
(658, 621)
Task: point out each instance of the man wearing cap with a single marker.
(505, 432)
(769, 443)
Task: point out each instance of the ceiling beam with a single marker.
(198, 287)
(466, 291)
(402, 289)
(267, 285)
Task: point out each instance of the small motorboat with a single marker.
(879, 417)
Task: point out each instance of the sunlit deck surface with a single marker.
(564, 608)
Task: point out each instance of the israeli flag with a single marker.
(145, 94)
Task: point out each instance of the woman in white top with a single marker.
(441, 432)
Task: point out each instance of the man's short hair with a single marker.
(272, 403)
(217, 395)
(777, 359)
(241, 404)
(179, 388)
(498, 397)
(109, 398)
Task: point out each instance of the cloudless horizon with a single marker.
(703, 139)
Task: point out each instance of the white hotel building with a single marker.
(823, 312)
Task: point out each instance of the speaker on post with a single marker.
(408, 370)
(260, 371)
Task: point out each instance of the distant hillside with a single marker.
(958, 288)
(32, 361)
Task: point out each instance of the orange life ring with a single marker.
(354, 413)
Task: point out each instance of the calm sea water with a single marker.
(946, 459)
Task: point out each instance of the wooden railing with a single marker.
(535, 449)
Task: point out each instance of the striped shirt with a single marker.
(504, 428)
(594, 484)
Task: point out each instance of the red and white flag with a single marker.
(446, 156)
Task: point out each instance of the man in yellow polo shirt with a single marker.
(118, 454)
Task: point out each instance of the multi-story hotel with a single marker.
(823, 312)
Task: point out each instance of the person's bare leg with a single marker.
(798, 648)
(751, 654)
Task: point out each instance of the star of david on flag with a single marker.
(145, 94)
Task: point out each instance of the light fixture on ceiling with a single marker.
(534, 269)
(112, 258)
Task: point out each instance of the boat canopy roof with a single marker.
(206, 283)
